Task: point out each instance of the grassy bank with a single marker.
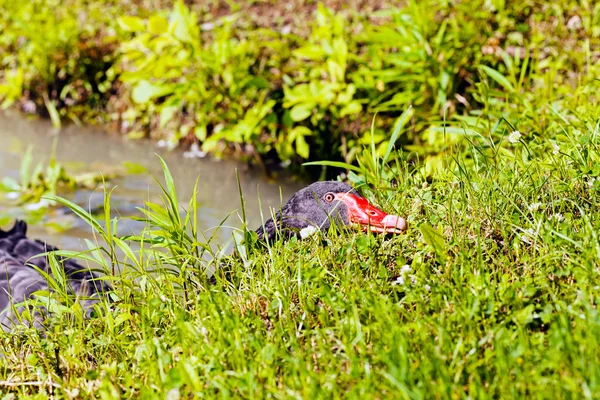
(491, 293)
(277, 83)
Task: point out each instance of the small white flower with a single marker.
(308, 231)
(405, 269)
(207, 26)
(173, 394)
(427, 287)
(16, 195)
(555, 149)
(404, 277)
(535, 206)
(528, 235)
(399, 281)
(558, 217)
(514, 136)
(286, 30)
(590, 182)
(574, 23)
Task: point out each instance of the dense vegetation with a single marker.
(300, 85)
(491, 293)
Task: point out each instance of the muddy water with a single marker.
(86, 149)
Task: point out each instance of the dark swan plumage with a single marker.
(307, 208)
(19, 280)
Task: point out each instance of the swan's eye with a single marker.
(329, 197)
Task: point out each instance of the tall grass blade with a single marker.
(336, 164)
(80, 212)
(498, 77)
(401, 121)
(171, 193)
(52, 112)
(25, 168)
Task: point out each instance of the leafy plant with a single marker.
(183, 75)
(373, 162)
(37, 181)
(201, 88)
(319, 95)
(56, 56)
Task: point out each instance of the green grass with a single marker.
(499, 301)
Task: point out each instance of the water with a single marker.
(89, 149)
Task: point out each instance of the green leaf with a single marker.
(399, 125)
(301, 111)
(353, 107)
(435, 239)
(53, 112)
(158, 25)
(258, 82)
(498, 77)
(346, 96)
(166, 115)
(297, 94)
(134, 168)
(127, 251)
(200, 132)
(300, 131)
(184, 23)
(130, 23)
(9, 185)
(171, 192)
(311, 52)
(80, 212)
(75, 254)
(336, 164)
(336, 71)
(524, 316)
(145, 91)
(302, 147)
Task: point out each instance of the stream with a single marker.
(90, 149)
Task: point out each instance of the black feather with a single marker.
(19, 280)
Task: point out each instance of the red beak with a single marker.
(369, 217)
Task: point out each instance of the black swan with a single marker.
(310, 209)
